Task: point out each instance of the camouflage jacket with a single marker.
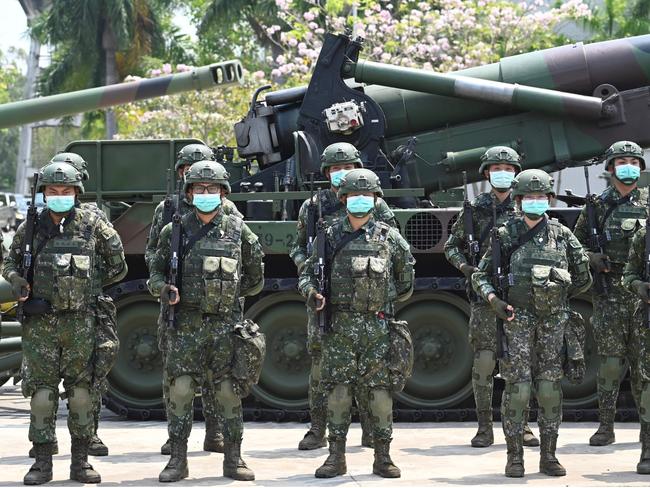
(621, 224)
(369, 273)
(84, 234)
(251, 267)
(456, 250)
(553, 247)
(635, 265)
(332, 209)
(157, 224)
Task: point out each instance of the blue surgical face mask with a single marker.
(501, 179)
(627, 173)
(337, 176)
(206, 202)
(60, 203)
(534, 208)
(360, 205)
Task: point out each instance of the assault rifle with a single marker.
(26, 248)
(314, 212)
(500, 281)
(468, 227)
(176, 254)
(168, 205)
(596, 238)
(321, 270)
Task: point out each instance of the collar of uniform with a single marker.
(47, 225)
(611, 193)
(216, 220)
(347, 227)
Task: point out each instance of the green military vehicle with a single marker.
(419, 130)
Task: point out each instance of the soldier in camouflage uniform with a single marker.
(499, 165)
(187, 156)
(222, 261)
(636, 281)
(547, 265)
(371, 268)
(337, 160)
(75, 254)
(618, 211)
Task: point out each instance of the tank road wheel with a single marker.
(135, 382)
(584, 395)
(284, 380)
(442, 372)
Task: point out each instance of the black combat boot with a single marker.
(605, 433)
(55, 450)
(334, 465)
(366, 428)
(383, 465)
(234, 466)
(484, 436)
(176, 468)
(80, 469)
(213, 441)
(515, 464)
(97, 447)
(548, 463)
(529, 438)
(166, 448)
(315, 436)
(644, 463)
(41, 470)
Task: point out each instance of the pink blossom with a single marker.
(259, 75)
(167, 68)
(155, 72)
(309, 16)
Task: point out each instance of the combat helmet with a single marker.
(193, 153)
(340, 153)
(207, 172)
(75, 160)
(360, 180)
(622, 149)
(532, 181)
(500, 154)
(59, 174)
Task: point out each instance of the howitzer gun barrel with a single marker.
(11, 344)
(528, 98)
(43, 108)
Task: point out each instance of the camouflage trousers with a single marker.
(482, 338)
(641, 336)
(199, 351)
(59, 346)
(615, 333)
(534, 363)
(354, 359)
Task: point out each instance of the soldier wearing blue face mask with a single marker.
(620, 211)
(499, 166)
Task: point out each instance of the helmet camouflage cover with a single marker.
(207, 172)
(340, 153)
(75, 160)
(63, 174)
(622, 149)
(360, 180)
(532, 181)
(499, 155)
(193, 153)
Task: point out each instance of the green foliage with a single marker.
(618, 18)
(12, 83)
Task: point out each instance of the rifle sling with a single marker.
(344, 242)
(41, 245)
(194, 238)
(611, 209)
(530, 233)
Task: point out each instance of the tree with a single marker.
(619, 18)
(11, 89)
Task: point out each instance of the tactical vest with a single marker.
(483, 218)
(211, 272)
(621, 224)
(361, 273)
(539, 271)
(64, 268)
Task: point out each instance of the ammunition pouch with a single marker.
(36, 306)
(574, 365)
(249, 348)
(72, 282)
(370, 284)
(107, 343)
(400, 363)
(220, 284)
(550, 289)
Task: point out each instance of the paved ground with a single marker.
(428, 454)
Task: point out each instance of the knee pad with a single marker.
(610, 371)
(516, 398)
(339, 403)
(644, 403)
(181, 395)
(484, 362)
(43, 407)
(229, 402)
(381, 408)
(81, 405)
(549, 398)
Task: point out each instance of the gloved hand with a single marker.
(599, 262)
(315, 300)
(502, 309)
(468, 270)
(169, 295)
(642, 289)
(19, 285)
